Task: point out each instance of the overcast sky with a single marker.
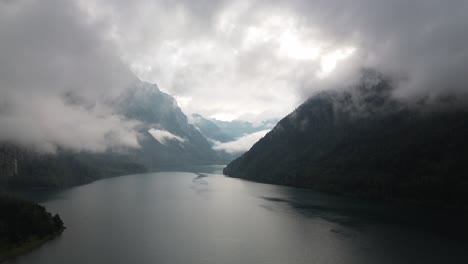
(260, 59)
(226, 59)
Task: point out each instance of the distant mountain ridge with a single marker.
(362, 142)
(238, 128)
(209, 129)
(234, 138)
(225, 131)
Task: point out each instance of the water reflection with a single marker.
(200, 184)
(382, 233)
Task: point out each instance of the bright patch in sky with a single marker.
(328, 62)
(224, 117)
(183, 101)
(248, 66)
(293, 47)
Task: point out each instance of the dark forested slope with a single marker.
(24, 168)
(361, 142)
(24, 225)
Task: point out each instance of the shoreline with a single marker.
(26, 247)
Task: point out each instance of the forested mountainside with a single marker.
(362, 142)
(23, 168)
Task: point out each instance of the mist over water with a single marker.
(200, 216)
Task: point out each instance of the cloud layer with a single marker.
(57, 70)
(242, 144)
(260, 59)
(164, 137)
(61, 62)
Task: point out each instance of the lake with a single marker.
(201, 216)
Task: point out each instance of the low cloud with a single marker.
(58, 71)
(49, 123)
(242, 144)
(164, 137)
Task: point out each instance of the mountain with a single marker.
(362, 142)
(209, 129)
(167, 138)
(236, 128)
(244, 133)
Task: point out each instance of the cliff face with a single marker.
(363, 143)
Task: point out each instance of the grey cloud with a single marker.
(51, 53)
(247, 59)
(191, 56)
(423, 44)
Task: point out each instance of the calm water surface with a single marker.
(204, 217)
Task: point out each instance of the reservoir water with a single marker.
(203, 217)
